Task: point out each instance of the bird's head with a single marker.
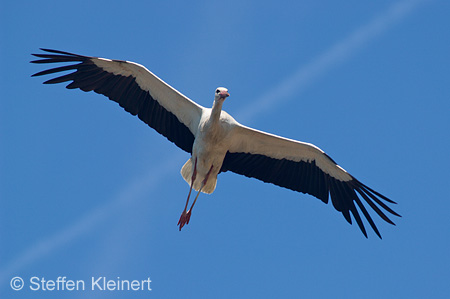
(221, 93)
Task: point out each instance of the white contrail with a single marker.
(132, 192)
(297, 82)
(307, 74)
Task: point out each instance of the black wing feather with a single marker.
(307, 177)
(123, 90)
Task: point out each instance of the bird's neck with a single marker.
(216, 109)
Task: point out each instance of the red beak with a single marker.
(224, 94)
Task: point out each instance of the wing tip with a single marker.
(344, 195)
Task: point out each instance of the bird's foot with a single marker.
(184, 218)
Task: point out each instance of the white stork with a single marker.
(217, 143)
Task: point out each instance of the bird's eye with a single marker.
(217, 91)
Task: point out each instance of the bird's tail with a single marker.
(187, 171)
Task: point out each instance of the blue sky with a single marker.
(87, 190)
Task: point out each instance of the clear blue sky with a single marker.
(88, 190)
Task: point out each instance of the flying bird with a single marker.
(216, 141)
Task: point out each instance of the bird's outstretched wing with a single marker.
(305, 168)
(135, 88)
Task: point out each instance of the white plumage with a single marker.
(216, 141)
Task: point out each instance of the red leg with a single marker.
(183, 218)
(188, 215)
